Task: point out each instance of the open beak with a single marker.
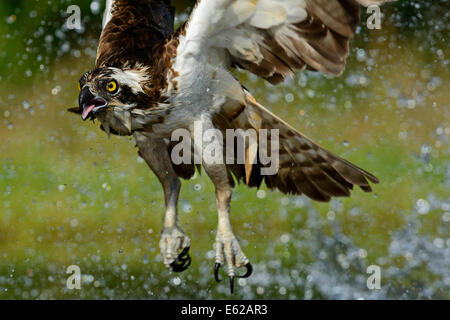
(90, 104)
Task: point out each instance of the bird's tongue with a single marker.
(87, 111)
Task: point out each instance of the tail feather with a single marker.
(304, 166)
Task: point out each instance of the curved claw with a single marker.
(182, 262)
(180, 265)
(216, 271)
(232, 284)
(249, 271)
(184, 253)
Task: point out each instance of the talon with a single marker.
(216, 272)
(249, 271)
(188, 263)
(184, 253)
(232, 284)
(181, 264)
(176, 267)
(186, 260)
(228, 251)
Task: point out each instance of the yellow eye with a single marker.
(111, 86)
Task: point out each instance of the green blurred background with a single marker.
(71, 196)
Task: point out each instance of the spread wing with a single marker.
(274, 38)
(132, 29)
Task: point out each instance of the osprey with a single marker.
(151, 80)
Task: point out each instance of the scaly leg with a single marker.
(227, 246)
(173, 239)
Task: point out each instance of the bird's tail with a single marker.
(304, 167)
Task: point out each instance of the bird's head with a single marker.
(104, 89)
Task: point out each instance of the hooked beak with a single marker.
(90, 104)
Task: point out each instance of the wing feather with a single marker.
(132, 29)
(304, 167)
(275, 38)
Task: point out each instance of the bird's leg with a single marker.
(227, 247)
(174, 243)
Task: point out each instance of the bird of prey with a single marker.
(150, 80)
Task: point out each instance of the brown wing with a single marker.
(135, 28)
(304, 166)
(275, 38)
(320, 42)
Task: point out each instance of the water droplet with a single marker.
(446, 217)
(95, 7)
(438, 242)
(425, 149)
(74, 223)
(186, 207)
(176, 281)
(331, 215)
(289, 97)
(261, 194)
(285, 238)
(422, 206)
(56, 90)
(11, 19)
